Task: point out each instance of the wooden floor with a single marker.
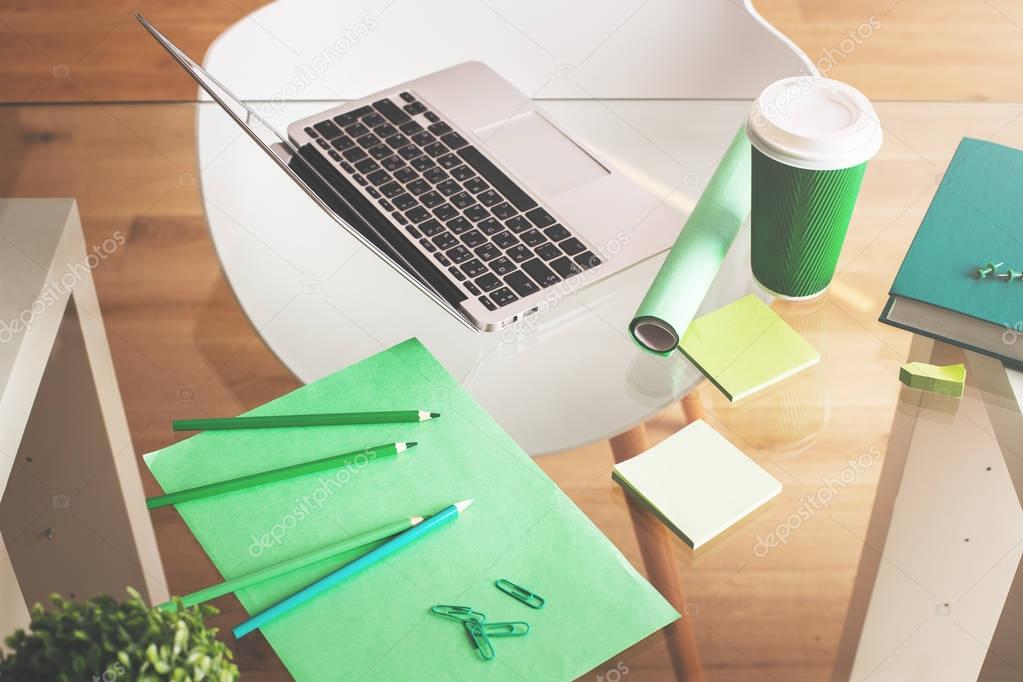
(916, 49)
(79, 50)
(181, 342)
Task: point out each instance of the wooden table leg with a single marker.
(692, 408)
(655, 545)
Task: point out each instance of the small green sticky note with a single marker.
(944, 379)
(745, 347)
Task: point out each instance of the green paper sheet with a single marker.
(745, 347)
(693, 262)
(377, 626)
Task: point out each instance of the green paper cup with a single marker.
(812, 139)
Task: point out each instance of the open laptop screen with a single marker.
(291, 161)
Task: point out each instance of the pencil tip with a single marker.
(411, 444)
(461, 506)
(434, 415)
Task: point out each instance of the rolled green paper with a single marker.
(331, 553)
(275, 475)
(694, 261)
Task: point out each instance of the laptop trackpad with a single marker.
(540, 154)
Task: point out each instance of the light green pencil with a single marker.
(275, 475)
(365, 541)
(274, 421)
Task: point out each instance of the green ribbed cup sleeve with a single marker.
(798, 221)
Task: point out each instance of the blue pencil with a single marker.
(365, 561)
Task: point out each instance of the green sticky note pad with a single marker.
(945, 379)
(745, 347)
(377, 625)
(697, 483)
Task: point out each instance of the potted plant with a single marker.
(107, 641)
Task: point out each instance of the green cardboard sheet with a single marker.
(692, 264)
(377, 626)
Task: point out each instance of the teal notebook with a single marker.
(377, 626)
(976, 216)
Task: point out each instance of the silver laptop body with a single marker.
(462, 184)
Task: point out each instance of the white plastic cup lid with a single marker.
(814, 123)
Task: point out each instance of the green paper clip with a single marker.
(463, 614)
(533, 601)
(479, 640)
(510, 629)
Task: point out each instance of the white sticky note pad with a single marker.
(697, 482)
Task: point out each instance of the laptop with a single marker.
(464, 186)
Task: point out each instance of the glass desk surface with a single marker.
(893, 550)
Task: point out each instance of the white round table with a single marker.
(321, 301)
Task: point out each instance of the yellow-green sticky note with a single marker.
(945, 379)
(745, 347)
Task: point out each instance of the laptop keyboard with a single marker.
(493, 237)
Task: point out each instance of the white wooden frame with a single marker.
(45, 274)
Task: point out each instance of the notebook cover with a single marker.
(976, 216)
(937, 335)
(377, 626)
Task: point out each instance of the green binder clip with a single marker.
(462, 614)
(533, 601)
(479, 640)
(516, 628)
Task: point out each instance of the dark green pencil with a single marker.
(286, 420)
(275, 475)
